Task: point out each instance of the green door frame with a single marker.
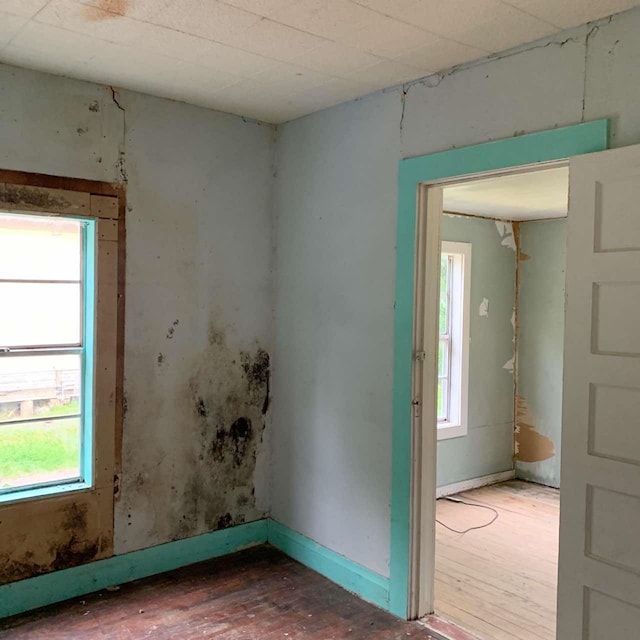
(545, 146)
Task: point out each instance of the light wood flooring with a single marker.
(500, 582)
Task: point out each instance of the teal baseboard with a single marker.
(25, 595)
(353, 577)
(18, 597)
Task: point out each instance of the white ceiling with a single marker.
(274, 60)
(523, 196)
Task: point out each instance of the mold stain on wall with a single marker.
(229, 400)
(204, 480)
(33, 198)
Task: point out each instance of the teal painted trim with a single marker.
(50, 588)
(545, 146)
(42, 492)
(25, 595)
(88, 351)
(351, 576)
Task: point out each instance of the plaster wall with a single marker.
(199, 296)
(200, 289)
(540, 350)
(336, 208)
(488, 446)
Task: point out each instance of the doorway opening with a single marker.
(500, 333)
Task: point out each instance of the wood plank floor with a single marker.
(500, 582)
(258, 594)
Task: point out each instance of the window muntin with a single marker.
(46, 352)
(453, 347)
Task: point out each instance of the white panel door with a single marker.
(599, 572)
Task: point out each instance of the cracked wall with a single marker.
(199, 304)
(335, 233)
(199, 187)
(200, 245)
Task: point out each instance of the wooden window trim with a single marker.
(77, 526)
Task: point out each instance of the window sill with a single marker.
(34, 493)
(447, 431)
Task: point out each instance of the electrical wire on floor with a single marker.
(469, 504)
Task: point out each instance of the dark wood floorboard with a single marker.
(258, 594)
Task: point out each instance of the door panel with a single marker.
(606, 613)
(599, 567)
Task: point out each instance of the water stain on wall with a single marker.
(73, 542)
(517, 234)
(105, 9)
(530, 445)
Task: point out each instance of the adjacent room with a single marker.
(219, 414)
(501, 326)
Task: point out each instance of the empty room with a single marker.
(501, 328)
(319, 319)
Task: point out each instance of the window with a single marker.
(46, 352)
(453, 347)
(61, 368)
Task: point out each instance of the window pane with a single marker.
(39, 387)
(444, 323)
(444, 272)
(445, 268)
(442, 400)
(38, 452)
(443, 358)
(39, 248)
(39, 314)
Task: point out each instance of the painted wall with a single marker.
(336, 207)
(200, 240)
(540, 350)
(199, 296)
(488, 446)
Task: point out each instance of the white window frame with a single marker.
(459, 319)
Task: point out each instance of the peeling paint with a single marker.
(489, 446)
(521, 256)
(530, 445)
(540, 344)
(505, 231)
(509, 364)
(515, 324)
